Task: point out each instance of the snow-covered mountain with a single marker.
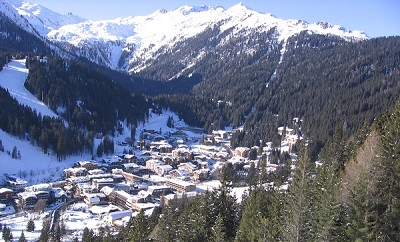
(35, 18)
(132, 44)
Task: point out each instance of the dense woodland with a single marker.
(87, 99)
(326, 82)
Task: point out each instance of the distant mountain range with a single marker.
(133, 44)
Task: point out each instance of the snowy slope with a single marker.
(12, 78)
(36, 18)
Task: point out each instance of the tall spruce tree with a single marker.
(386, 196)
(297, 225)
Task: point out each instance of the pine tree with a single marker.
(22, 237)
(45, 233)
(100, 150)
(218, 233)
(386, 171)
(298, 201)
(261, 217)
(326, 211)
(7, 235)
(30, 227)
(139, 230)
(359, 228)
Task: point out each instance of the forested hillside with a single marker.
(14, 38)
(87, 101)
(326, 82)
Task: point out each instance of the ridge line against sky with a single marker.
(375, 17)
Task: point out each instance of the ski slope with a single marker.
(12, 78)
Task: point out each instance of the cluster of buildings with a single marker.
(163, 169)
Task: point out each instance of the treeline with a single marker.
(314, 208)
(85, 97)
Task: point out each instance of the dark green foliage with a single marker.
(297, 217)
(14, 38)
(386, 196)
(261, 217)
(139, 229)
(22, 237)
(45, 233)
(30, 227)
(7, 235)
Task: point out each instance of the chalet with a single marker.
(111, 218)
(39, 187)
(201, 174)
(6, 194)
(95, 199)
(74, 172)
(182, 153)
(131, 177)
(183, 175)
(188, 166)
(130, 167)
(102, 182)
(96, 172)
(242, 151)
(44, 195)
(15, 183)
(58, 184)
(181, 186)
(119, 198)
(143, 206)
(122, 187)
(152, 163)
(162, 169)
(89, 165)
(27, 200)
(83, 188)
(59, 195)
(130, 158)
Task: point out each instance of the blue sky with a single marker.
(374, 17)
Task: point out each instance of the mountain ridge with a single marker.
(130, 44)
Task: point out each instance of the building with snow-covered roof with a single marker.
(180, 174)
(15, 183)
(92, 199)
(188, 166)
(157, 191)
(6, 194)
(111, 218)
(27, 200)
(177, 196)
(181, 186)
(39, 187)
(74, 172)
(162, 169)
(130, 167)
(89, 165)
(152, 163)
(242, 151)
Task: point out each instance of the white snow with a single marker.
(147, 34)
(12, 78)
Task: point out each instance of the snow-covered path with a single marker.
(13, 77)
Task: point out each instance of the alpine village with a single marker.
(196, 124)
